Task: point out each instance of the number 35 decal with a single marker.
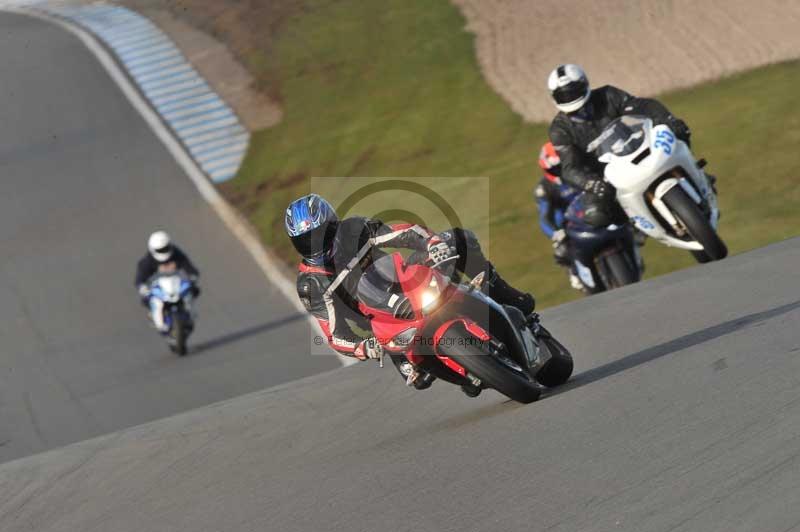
(664, 141)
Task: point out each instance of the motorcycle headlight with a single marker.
(431, 294)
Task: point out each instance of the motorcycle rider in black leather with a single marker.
(583, 114)
(161, 253)
(329, 245)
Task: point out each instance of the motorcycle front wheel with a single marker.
(460, 346)
(619, 271)
(696, 224)
(179, 333)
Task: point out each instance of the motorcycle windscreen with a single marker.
(170, 286)
(575, 213)
(621, 137)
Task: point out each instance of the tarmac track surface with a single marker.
(684, 415)
(84, 181)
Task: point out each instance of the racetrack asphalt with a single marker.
(683, 415)
(84, 182)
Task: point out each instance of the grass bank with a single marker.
(393, 89)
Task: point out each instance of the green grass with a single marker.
(393, 89)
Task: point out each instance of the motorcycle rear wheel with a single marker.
(458, 346)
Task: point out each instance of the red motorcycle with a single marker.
(458, 333)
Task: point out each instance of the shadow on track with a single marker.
(684, 342)
(242, 334)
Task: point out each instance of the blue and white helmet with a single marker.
(311, 226)
(569, 87)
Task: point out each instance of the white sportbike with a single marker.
(171, 296)
(660, 185)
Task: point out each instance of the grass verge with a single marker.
(392, 89)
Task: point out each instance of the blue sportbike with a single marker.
(602, 258)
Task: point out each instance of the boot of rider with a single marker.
(575, 281)
(505, 294)
(712, 179)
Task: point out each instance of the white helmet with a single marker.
(569, 87)
(160, 246)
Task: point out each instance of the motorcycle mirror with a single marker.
(477, 281)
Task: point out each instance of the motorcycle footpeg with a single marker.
(424, 381)
(495, 346)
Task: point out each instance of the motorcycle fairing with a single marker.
(659, 154)
(494, 319)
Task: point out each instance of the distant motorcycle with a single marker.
(458, 333)
(603, 258)
(661, 187)
(176, 291)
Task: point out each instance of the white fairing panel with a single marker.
(170, 287)
(632, 180)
